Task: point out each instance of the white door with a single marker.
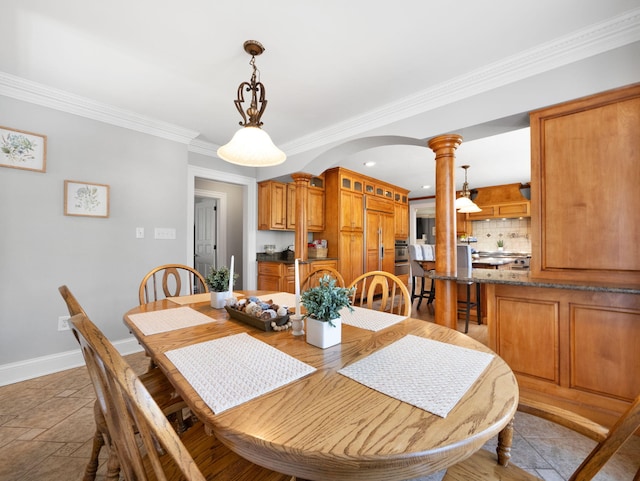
(205, 238)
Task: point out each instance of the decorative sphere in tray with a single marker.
(260, 313)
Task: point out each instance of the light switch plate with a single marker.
(166, 233)
(139, 232)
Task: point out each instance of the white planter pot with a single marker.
(322, 334)
(219, 299)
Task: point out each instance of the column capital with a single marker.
(447, 141)
(301, 177)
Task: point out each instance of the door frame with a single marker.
(221, 220)
(249, 214)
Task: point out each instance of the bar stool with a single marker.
(465, 262)
(421, 252)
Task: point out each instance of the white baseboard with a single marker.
(40, 366)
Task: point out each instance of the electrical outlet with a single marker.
(63, 323)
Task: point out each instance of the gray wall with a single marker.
(99, 259)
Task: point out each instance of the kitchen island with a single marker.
(572, 343)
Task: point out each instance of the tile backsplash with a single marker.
(516, 234)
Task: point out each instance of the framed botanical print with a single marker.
(86, 199)
(23, 150)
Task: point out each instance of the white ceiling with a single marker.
(346, 81)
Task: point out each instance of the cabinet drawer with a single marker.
(514, 209)
(269, 268)
(487, 212)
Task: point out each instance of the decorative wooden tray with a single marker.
(255, 321)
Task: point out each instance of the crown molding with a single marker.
(203, 147)
(579, 45)
(33, 92)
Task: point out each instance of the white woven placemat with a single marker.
(369, 319)
(168, 320)
(280, 298)
(192, 299)
(428, 374)
(231, 370)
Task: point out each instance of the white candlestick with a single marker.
(231, 277)
(297, 281)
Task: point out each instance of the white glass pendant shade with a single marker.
(462, 202)
(251, 147)
(469, 209)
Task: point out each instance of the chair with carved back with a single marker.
(314, 276)
(170, 278)
(382, 291)
(482, 465)
(156, 383)
(147, 447)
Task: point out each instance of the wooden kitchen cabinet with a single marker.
(351, 211)
(355, 195)
(280, 276)
(272, 205)
(463, 227)
(499, 202)
(276, 276)
(401, 213)
(380, 243)
(502, 211)
(350, 252)
(574, 349)
(277, 206)
(315, 210)
(578, 349)
(585, 165)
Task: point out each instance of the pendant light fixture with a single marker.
(464, 204)
(251, 146)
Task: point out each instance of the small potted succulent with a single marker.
(218, 282)
(323, 304)
(500, 244)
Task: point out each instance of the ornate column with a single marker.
(444, 146)
(302, 194)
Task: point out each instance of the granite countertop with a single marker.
(262, 257)
(523, 278)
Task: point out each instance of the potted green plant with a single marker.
(500, 244)
(323, 304)
(218, 282)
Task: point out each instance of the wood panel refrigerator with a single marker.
(379, 241)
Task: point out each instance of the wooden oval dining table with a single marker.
(326, 426)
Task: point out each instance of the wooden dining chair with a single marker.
(314, 276)
(156, 383)
(483, 466)
(170, 278)
(382, 291)
(147, 447)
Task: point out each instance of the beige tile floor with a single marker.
(46, 430)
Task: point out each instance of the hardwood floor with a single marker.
(46, 428)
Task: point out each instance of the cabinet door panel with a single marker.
(612, 336)
(315, 210)
(278, 206)
(593, 142)
(521, 326)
